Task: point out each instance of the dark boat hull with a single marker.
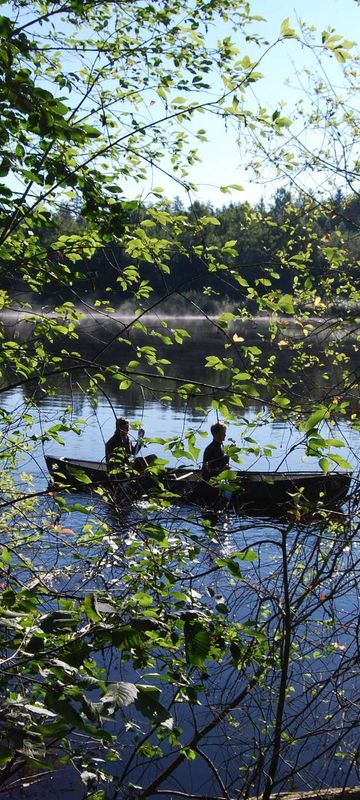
(77, 472)
(267, 491)
(248, 491)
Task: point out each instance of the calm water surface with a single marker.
(172, 419)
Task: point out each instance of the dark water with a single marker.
(323, 689)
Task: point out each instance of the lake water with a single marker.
(171, 418)
(321, 716)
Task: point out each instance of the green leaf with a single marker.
(33, 747)
(197, 642)
(253, 350)
(125, 384)
(147, 703)
(286, 304)
(210, 221)
(316, 417)
(91, 132)
(142, 598)
(281, 401)
(341, 462)
(5, 755)
(227, 189)
(119, 695)
(245, 555)
(324, 463)
(5, 27)
(58, 621)
(5, 555)
(79, 474)
(286, 31)
(75, 652)
(189, 753)
(89, 608)
(80, 508)
(150, 750)
(231, 565)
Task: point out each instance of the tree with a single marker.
(92, 96)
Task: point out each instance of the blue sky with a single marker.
(222, 160)
(223, 157)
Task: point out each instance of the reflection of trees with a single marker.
(316, 371)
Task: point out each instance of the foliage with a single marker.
(258, 248)
(128, 643)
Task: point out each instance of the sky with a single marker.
(222, 160)
(223, 157)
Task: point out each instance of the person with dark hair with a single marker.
(119, 449)
(214, 459)
(119, 446)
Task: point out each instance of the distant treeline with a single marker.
(271, 244)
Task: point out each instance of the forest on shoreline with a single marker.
(254, 245)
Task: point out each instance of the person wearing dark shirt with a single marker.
(214, 459)
(119, 447)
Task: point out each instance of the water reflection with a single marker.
(102, 341)
(81, 551)
(171, 417)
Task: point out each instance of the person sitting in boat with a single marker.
(214, 459)
(119, 448)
